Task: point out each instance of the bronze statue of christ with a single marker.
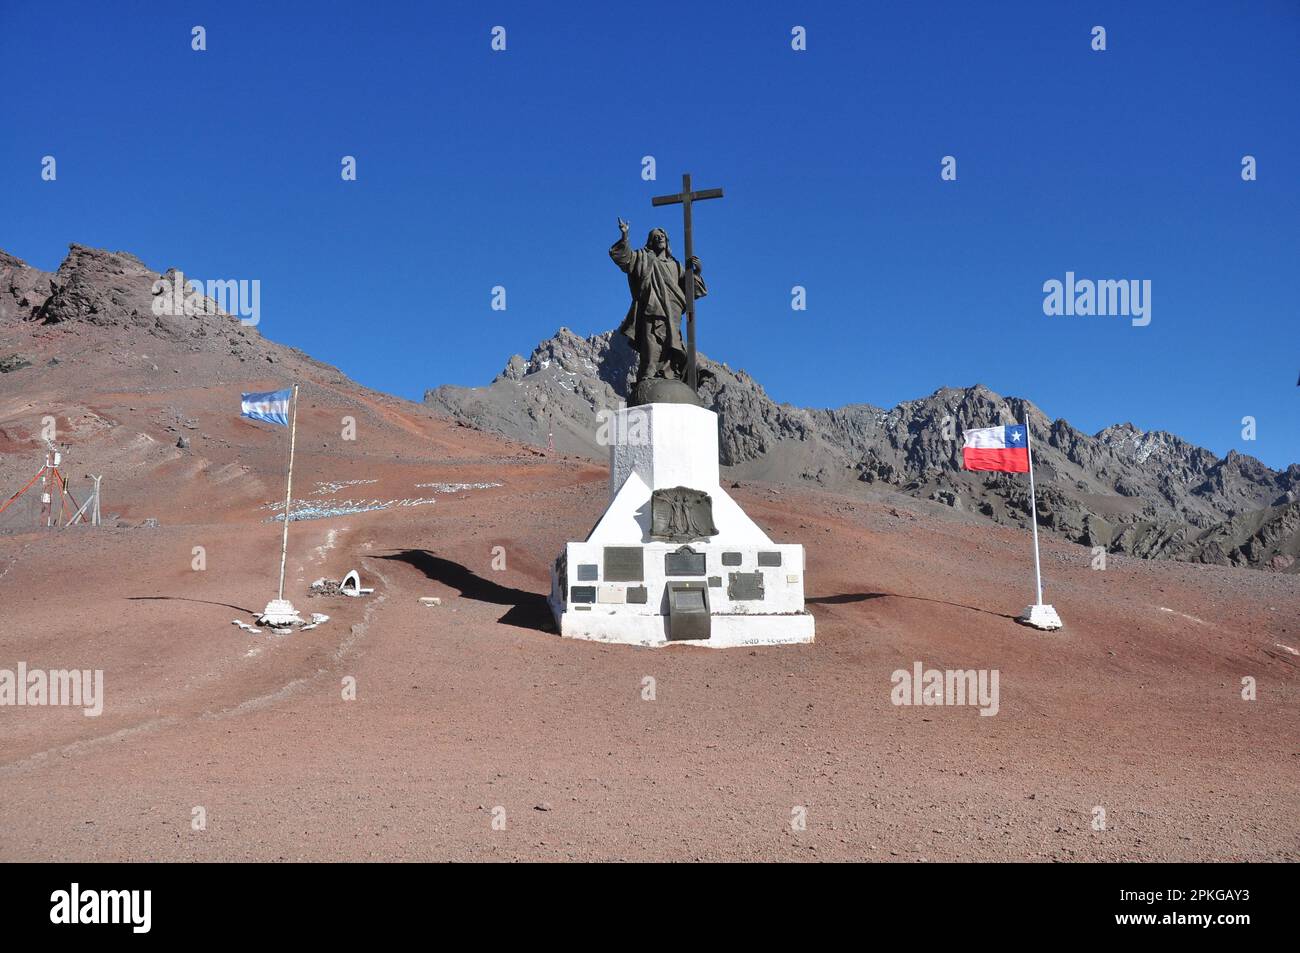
(657, 281)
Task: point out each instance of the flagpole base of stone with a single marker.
(1041, 617)
(280, 612)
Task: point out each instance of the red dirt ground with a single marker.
(476, 704)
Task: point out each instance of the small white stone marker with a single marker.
(430, 601)
(351, 585)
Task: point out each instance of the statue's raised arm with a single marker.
(620, 251)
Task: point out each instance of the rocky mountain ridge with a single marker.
(96, 292)
(1142, 493)
(1147, 494)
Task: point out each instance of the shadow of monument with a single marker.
(847, 597)
(528, 610)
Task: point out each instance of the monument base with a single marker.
(657, 390)
(726, 631)
(645, 575)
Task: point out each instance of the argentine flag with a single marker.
(271, 406)
(997, 448)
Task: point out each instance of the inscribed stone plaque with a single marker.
(611, 594)
(684, 562)
(715, 582)
(624, 564)
(582, 593)
(637, 595)
(745, 586)
(731, 559)
(588, 572)
(769, 559)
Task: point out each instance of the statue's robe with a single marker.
(658, 286)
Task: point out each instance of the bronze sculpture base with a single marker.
(659, 390)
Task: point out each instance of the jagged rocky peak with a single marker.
(100, 287)
(104, 298)
(83, 258)
(108, 289)
(570, 358)
(23, 288)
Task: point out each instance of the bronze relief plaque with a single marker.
(681, 515)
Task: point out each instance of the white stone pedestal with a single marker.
(615, 585)
(1041, 617)
(280, 612)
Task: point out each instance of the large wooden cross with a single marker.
(686, 197)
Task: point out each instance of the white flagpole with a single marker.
(1033, 509)
(288, 489)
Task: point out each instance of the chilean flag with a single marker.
(997, 448)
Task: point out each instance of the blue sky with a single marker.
(478, 169)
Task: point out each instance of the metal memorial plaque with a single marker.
(688, 611)
(731, 559)
(624, 564)
(715, 582)
(769, 559)
(582, 593)
(588, 572)
(681, 515)
(684, 562)
(745, 586)
(637, 595)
